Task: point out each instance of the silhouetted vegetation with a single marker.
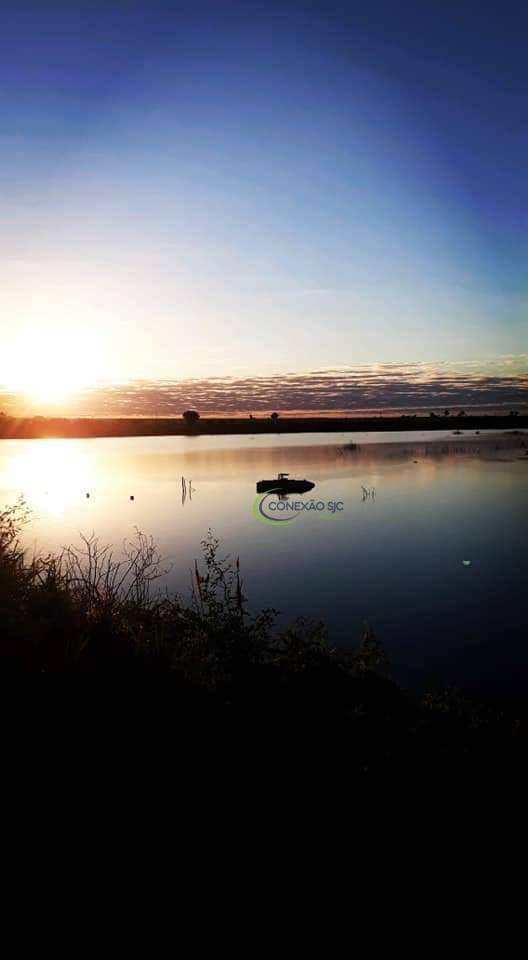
(191, 416)
(88, 611)
(70, 427)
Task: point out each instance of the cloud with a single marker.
(497, 384)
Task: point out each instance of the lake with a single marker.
(426, 539)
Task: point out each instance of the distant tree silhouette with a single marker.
(274, 417)
(191, 416)
(462, 413)
(432, 414)
(446, 413)
(514, 413)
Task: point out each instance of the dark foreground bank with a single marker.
(88, 615)
(64, 427)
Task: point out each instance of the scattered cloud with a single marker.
(500, 383)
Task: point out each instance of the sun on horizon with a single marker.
(48, 369)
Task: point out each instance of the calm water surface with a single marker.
(395, 560)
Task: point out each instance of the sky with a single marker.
(247, 189)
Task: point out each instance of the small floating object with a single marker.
(131, 496)
(87, 496)
(467, 563)
(284, 485)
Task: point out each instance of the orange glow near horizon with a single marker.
(48, 369)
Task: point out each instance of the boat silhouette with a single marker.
(282, 484)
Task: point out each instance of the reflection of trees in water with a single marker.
(485, 449)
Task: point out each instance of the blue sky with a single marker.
(214, 189)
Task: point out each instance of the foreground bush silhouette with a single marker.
(87, 608)
(89, 611)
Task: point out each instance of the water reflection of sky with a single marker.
(395, 560)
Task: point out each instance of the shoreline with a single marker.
(40, 428)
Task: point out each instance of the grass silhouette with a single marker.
(95, 612)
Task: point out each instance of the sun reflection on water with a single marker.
(51, 475)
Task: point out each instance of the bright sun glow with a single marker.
(51, 475)
(49, 369)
